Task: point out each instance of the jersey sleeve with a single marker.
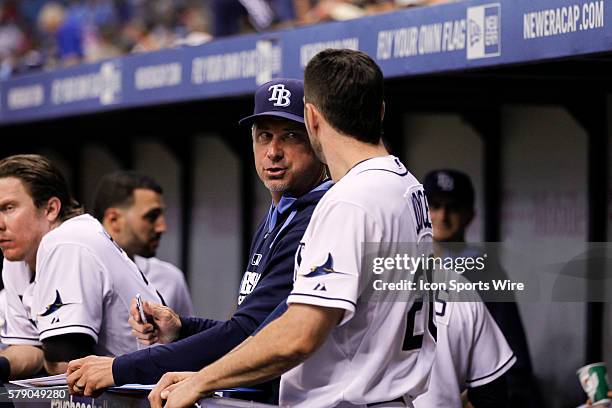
(18, 328)
(329, 258)
(69, 295)
(491, 355)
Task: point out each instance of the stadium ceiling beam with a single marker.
(182, 150)
(592, 116)
(594, 119)
(122, 151)
(12, 146)
(487, 123)
(71, 154)
(242, 149)
(179, 147)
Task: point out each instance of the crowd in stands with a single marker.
(44, 34)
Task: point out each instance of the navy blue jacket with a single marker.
(266, 283)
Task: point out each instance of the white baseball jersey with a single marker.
(83, 284)
(364, 359)
(471, 350)
(3, 309)
(169, 282)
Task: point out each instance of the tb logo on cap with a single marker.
(280, 95)
(445, 182)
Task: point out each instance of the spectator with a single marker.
(152, 38)
(195, 27)
(29, 10)
(13, 41)
(262, 14)
(338, 10)
(408, 3)
(102, 45)
(67, 32)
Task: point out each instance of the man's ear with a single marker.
(382, 111)
(54, 205)
(312, 117)
(112, 219)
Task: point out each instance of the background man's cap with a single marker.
(451, 185)
(281, 97)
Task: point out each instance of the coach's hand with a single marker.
(87, 375)
(163, 324)
(176, 389)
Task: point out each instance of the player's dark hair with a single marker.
(42, 180)
(117, 190)
(347, 87)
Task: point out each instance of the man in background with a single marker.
(262, 14)
(130, 206)
(67, 32)
(450, 195)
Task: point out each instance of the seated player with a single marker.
(130, 206)
(68, 285)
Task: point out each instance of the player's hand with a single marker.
(163, 324)
(590, 404)
(177, 389)
(464, 400)
(89, 375)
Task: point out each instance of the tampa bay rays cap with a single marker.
(281, 97)
(450, 185)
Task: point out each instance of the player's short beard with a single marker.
(147, 251)
(137, 246)
(275, 187)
